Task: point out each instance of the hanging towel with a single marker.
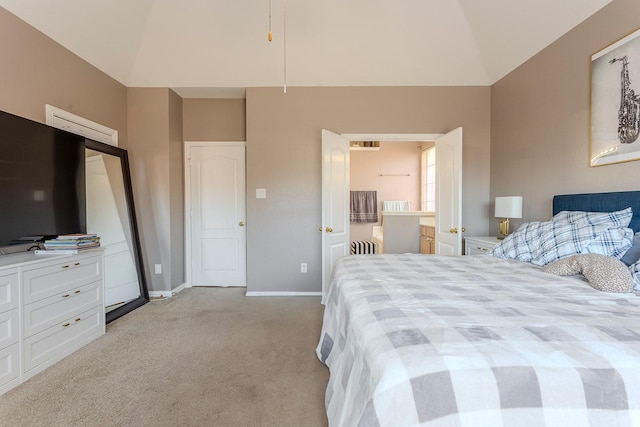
(396, 205)
(364, 206)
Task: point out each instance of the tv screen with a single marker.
(42, 180)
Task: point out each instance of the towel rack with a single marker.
(395, 174)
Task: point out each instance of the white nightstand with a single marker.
(477, 245)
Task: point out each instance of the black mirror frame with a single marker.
(137, 252)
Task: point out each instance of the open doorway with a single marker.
(335, 192)
(399, 175)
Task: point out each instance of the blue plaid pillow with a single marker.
(523, 244)
(543, 242)
(583, 238)
(620, 218)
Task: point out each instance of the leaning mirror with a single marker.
(111, 215)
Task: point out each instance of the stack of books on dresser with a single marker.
(70, 244)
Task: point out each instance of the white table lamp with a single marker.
(508, 207)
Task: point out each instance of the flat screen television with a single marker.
(42, 180)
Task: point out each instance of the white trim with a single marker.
(167, 294)
(209, 143)
(187, 198)
(392, 136)
(160, 294)
(179, 289)
(197, 285)
(70, 122)
(283, 294)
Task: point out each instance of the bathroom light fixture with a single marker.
(507, 207)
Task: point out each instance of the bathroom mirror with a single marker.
(111, 215)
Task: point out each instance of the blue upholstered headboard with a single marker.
(601, 202)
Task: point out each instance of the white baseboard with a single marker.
(166, 294)
(159, 294)
(283, 294)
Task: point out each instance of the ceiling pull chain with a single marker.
(270, 35)
(284, 37)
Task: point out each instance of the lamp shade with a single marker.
(509, 207)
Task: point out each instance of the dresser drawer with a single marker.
(47, 312)
(476, 250)
(9, 280)
(40, 283)
(9, 365)
(9, 328)
(65, 337)
(479, 245)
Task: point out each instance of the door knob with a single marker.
(329, 230)
(453, 230)
(320, 228)
(241, 223)
(464, 229)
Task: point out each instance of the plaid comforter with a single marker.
(476, 341)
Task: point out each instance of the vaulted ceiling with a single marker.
(214, 47)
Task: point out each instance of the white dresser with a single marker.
(50, 306)
(9, 328)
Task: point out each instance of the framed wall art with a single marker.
(615, 102)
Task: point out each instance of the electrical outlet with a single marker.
(158, 269)
(303, 267)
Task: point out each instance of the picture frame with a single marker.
(615, 102)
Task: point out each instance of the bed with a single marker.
(481, 340)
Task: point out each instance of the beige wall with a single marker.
(540, 119)
(214, 119)
(538, 116)
(155, 153)
(284, 156)
(35, 71)
(393, 158)
(176, 189)
(283, 148)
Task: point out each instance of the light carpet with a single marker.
(206, 357)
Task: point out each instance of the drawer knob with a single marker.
(77, 292)
(78, 319)
(66, 324)
(65, 296)
(76, 264)
(65, 266)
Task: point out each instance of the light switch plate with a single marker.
(261, 193)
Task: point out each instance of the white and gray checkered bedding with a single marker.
(432, 340)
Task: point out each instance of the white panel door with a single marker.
(217, 202)
(449, 193)
(335, 202)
